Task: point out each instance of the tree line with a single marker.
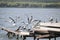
(29, 5)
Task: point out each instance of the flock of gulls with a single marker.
(39, 29)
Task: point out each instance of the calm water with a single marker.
(38, 13)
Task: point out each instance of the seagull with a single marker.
(51, 19)
(28, 19)
(31, 19)
(18, 28)
(12, 19)
(18, 17)
(37, 22)
(23, 22)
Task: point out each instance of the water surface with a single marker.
(37, 13)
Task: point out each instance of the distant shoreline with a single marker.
(30, 4)
(24, 7)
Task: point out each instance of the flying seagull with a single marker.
(12, 19)
(37, 22)
(30, 19)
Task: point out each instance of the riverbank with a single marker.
(30, 4)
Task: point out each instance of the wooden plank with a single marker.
(23, 33)
(47, 36)
(46, 29)
(40, 30)
(16, 32)
(50, 24)
(42, 36)
(51, 29)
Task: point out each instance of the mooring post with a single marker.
(50, 35)
(55, 37)
(24, 37)
(34, 36)
(37, 38)
(17, 36)
(49, 38)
